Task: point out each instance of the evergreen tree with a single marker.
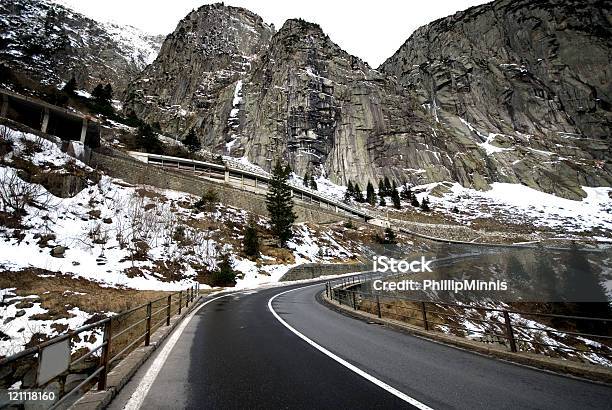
(280, 205)
(348, 194)
(103, 94)
(108, 93)
(382, 201)
(425, 204)
(148, 140)
(370, 194)
(250, 242)
(414, 201)
(306, 181)
(313, 183)
(395, 198)
(406, 193)
(388, 187)
(70, 86)
(192, 142)
(381, 188)
(358, 194)
(390, 236)
(224, 274)
(98, 93)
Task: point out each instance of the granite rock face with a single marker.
(50, 43)
(211, 48)
(513, 92)
(529, 79)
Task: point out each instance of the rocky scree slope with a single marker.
(50, 43)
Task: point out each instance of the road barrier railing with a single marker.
(511, 328)
(120, 334)
(230, 169)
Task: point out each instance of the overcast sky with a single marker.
(372, 29)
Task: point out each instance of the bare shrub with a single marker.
(16, 194)
(32, 146)
(6, 140)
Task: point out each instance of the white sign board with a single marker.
(54, 360)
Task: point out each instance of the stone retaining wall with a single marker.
(315, 270)
(132, 171)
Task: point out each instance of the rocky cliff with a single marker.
(211, 49)
(506, 92)
(50, 43)
(528, 80)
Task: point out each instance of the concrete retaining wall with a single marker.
(315, 270)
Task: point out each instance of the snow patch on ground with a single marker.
(521, 203)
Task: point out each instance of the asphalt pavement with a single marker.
(235, 354)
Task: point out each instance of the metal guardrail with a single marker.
(155, 315)
(437, 316)
(195, 165)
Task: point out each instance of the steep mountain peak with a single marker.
(298, 24)
(210, 49)
(51, 43)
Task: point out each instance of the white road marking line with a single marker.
(137, 398)
(343, 362)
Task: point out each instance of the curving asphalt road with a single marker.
(234, 353)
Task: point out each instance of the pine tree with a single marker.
(313, 183)
(382, 201)
(414, 201)
(148, 139)
(306, 181)
(388, 187)
(381, 188)
(280, 205)
(103, 94)
(98, 93)
(108, 93)
(395, 198)
(370, 194)
(192, 142)
(425, 204)
(358, 194)
(70, 86)
(250, 242)
(224, 274)
(390, 236)
(348, 194)
(406, 193)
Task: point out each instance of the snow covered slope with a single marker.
(51, 43)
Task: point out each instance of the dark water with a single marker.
(508, 274)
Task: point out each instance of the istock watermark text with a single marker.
(386, 264)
